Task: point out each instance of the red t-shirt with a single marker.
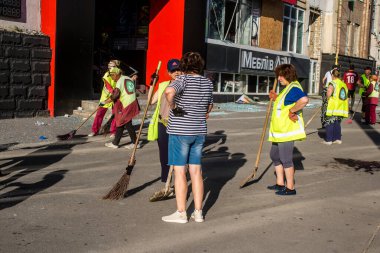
(350, 78)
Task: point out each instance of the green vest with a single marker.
(127, 90)
(106, 93)
(338, 102)
(282, 129)
(153, 124)
(375, 92)
(366, 84)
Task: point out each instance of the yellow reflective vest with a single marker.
(153, 124)
(338, 102)
(366, 83)
(282, 129)
(127, 90)
(375, 92)
(108, 86)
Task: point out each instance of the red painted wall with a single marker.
(294, 2)
(165, 34)
(48, 27)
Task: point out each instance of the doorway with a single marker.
(121, 32)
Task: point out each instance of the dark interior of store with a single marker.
(121, 32)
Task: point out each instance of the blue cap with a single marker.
(173, 64)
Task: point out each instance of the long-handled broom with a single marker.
(253, 174)
(316, 111)
(70, 135)
(165, 192)
(349, 121)
(120, 188)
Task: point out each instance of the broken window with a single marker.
(235, 21)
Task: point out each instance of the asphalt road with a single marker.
(50, 197)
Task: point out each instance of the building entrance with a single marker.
(121, 32)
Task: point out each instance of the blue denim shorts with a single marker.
(185, 149)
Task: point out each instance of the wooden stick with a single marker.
(314, 114)
(263, 133)
(169, 179)
(132, 159)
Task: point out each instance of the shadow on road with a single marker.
(141, 187)
(367, 166)
(36, 160)
(24, 191)
(218, 170)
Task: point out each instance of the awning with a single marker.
(294, 2)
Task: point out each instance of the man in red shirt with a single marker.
(350, 77)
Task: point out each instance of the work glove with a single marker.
(272, 95)
(154, 75)
(115, 94)
(101, 104)
(179, 112)
(293, 116)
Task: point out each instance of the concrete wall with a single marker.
(375, 33)
(32, 17)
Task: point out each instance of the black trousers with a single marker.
(163, 146)
(119, 133)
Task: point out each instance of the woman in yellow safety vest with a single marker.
(107, 90)
(372, 99)
(363, 85)
(125, 108)
(286, 127)
(159, 120)
(337, 109)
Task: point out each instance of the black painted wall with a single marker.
(24, 74)
(344, 62)
(74, 54)
(195, 27)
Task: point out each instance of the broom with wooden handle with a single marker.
(120, 188)
(253, 174)
(165, 192)
(71, 134)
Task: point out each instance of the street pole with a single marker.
(339, 19)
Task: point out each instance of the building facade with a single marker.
(242, 42)
(346, 35)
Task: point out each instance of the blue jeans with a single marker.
(185, 149)
(333, 131)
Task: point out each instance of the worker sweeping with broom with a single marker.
(107, 90)
(286, 126)
(158, 124)
(125, 107)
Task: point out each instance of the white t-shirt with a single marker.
(328, 77)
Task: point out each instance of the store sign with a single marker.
(294, 2)
(258, 62)
(10, 8)
(265, 62)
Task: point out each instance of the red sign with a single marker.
(294, 2)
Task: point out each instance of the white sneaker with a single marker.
(197, 216)
(91, 134)
(129, 146)
(177, 217)
(337, 142)
(132, 145)
(327, 142)
(111, 145)
(112, 136)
